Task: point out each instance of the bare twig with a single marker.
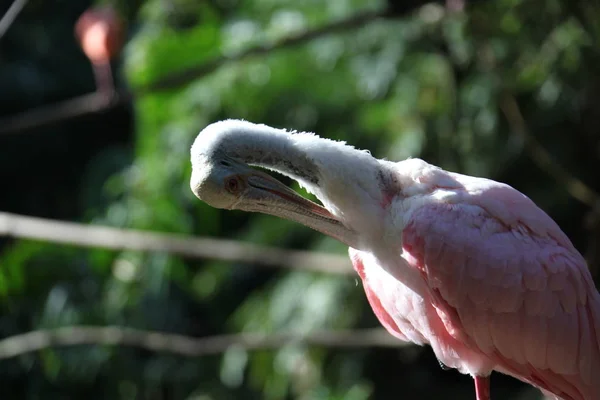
(180, 78)
(75, 107)
(11, 15)
(187, 346)
(574, 186)
(48, 115)
(95, 102)
(19, 226)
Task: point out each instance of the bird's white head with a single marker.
(347, 181)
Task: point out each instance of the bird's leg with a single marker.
(482, 387)
(104, 79)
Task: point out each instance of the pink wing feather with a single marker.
(507, 282)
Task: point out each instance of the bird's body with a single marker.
(100, 32)
(501, 287)
(467, 265)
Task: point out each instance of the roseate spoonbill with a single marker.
(467, 265)
(100, 32)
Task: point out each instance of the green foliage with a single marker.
(431, 85)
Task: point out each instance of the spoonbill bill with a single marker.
(467, 265)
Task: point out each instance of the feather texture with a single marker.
(467, 265)
(507, 289)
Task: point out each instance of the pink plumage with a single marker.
(505, 289)
(467, 265)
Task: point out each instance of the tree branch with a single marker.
(11, 15)
(188, 346)
(76, 234)
(75, 107)
(544, 160)
(182, 77)
(96, 102)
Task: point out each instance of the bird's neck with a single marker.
(349, 182)
(325, 167)
(278, 150)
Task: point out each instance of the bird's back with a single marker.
(507, 289)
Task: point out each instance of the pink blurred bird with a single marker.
(470, 266)
(100, 31)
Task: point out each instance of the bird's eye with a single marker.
(233, 185)
(225, 163)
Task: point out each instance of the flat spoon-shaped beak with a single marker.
(237, 186)
(265, 182)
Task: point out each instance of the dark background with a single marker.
(506, 89)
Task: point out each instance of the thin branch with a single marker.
(51, 114)
(11, 15)
(76, 234)
(75, 107)
(188, 346)
(96, 102)
(182, 77)
(544, 160)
